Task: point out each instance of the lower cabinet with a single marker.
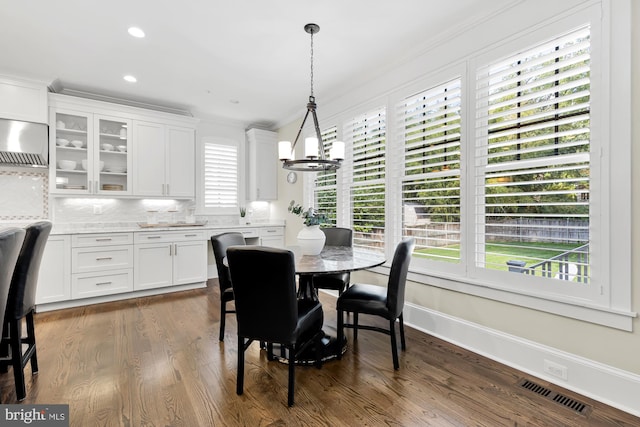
(101, 264)
(169, 258)
(272, 236)
(54, 280)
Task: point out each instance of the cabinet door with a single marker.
(71, 152)
(54, 279)
(153, 266)
(190, 262)
(263, 165)
(112, 162)
(272, 241)
(180, 168)
(148, 159)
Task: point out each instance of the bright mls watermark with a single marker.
(34, 415)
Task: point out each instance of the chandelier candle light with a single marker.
(315, 158)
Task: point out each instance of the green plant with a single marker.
(310, 215)
(243, 211)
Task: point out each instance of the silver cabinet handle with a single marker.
(168, 191)
(154, 237)
(104, 258)
(190, 235)
(175, 252)
(170, 250)
(103, 239)
(103, 283)
(271, 231)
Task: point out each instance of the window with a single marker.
(430, 123)
(365, 136)
(325, 188)
(220, 175)
(510, 167)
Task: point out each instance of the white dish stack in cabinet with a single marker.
(169, 258)
(165, 160)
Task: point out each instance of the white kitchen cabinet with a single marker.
(164, 160)
(101, 264)
(169, 258)
(23, 100)
(263, 164)
(272, 236)
(54, 279)
(89, 153)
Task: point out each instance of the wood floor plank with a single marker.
(157, 361)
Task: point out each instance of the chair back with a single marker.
(11, 240)
(22, 294)
(220, 244)
(337, 236)
(398, 276)
(264, 284)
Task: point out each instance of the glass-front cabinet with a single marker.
(91, 154)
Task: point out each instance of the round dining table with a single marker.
(332, 260)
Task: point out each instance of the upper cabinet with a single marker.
(263, 164)
(89, 153)
(23, 100)
(98, 148)
(164, 158)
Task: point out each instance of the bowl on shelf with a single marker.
(122, 148)
(61, 142)
(107, 147)
(117, 169)
(67, 165)
(101, 165)
(77, 143)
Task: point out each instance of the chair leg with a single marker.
(292, 373)
(240, 376)
(31, 338)
(403, 343)
(340, 337)
(223, 316)
(394, 345)
(355, 326)
(15, 331)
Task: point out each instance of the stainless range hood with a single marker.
(23, 143)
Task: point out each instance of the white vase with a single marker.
(311, 240)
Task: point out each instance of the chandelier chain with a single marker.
(311, 63)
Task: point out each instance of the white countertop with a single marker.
(89, 228)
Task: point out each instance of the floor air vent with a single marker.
(567, 402)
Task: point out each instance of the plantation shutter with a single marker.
(325, 189)
(365, 135)
(532, 164)
(220, 175)
(430, 128)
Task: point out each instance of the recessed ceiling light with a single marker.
(130, 79)
(136, 32)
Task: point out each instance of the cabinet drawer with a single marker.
(271, 231)
(97, 284)
(249, 233)
(85, 260)
(101, 239)
(169, 236)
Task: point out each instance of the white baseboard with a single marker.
(595, 380)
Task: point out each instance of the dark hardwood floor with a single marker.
(157, 361)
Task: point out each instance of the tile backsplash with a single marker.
(24, 195)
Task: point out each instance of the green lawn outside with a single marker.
(498, 253)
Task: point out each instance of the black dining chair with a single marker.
(378, 301)
(268, 310)
(335, 236)
(21, 304)
(11, 240)
(220, 243)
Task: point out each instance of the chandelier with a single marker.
(315, 158)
